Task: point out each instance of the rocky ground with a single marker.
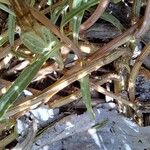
(108, 131)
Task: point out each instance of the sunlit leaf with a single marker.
(33, 42)
(23, 81)
(76, 21)
(49, 2)
(85, 90)
(40, 41)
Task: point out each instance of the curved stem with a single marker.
(95, 16)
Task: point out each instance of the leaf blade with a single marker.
(5, 8)
(11, 29)
(113, 20)
(77, 11)
(22, 82)
(85, 90)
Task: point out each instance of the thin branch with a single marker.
(65, 100)
(6, 84)
(135, 71)
(118, 41)
(21, 10)
(76, 95)
(117, 97)
(95, 16)
(72, 75)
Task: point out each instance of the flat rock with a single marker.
(77, 132)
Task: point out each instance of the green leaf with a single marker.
(11, 29)
(58, 58)
(85, 90)
(45, 34)
(116, 1)
(49, 2)
(5, 8)
(78, 10)
(110, 18)
(137, 7)
(76, 21)
(100, 124)
(58, 11)
(33, 42)
(23, 81)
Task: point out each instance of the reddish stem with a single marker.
(95, 16)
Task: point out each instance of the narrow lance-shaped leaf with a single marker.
(76, 21)
(11, 28)
(48, 37)
(78, 10)
(33, 42)
(45, 34)
(57, 12)
(84, 82)
(110, 18)
(5, 8)
(22, 82)
(75, 26)
(85, 90)
(58, 58)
